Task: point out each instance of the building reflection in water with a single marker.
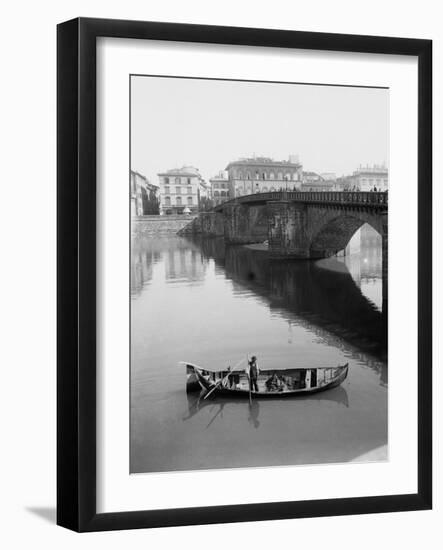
(183, 261)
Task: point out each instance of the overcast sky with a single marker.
(207, 124)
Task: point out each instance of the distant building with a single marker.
(141, 189)
(343, 183)
(365, 178)
(181, 190)
(328, 176)
(263, 174)
(219, 188)
(314, 182)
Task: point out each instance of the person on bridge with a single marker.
(253, 373)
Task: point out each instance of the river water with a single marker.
(209, 304)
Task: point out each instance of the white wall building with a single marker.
(366, 178)
(181, 190)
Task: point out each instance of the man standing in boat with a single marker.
(253, 373)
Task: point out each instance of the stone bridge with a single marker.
(296, 224)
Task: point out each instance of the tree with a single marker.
(205, 204)
(151, 203)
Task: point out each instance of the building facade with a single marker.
(367, 178)
(141, 192)
(219, 188)
(263, 174)
(314, 182)
(181, 190)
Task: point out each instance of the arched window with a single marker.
(179, 201)
(189, 200)
(248, 175)
(272, 189)
(272, 175)
(280, 175)
(257, 175)
(168, 201)
(265, 189)
(263, 176)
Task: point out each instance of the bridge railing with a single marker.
(373, 198)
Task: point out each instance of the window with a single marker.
(280, 176)
(166, 180)
(168, 201)
(178, 190)
(263, 175)
(190, 200)
(177, 180)
(188, 181)
(222, 193)
(248, 175)
(216, 193)
(257, 175)
(272, 175)
(179, 201)
(167, 189)
(189, 190)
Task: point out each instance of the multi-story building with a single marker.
(368, 178)
(328, 176)
(219, 188)
(314, 182)
(141, 191)
(262, 174)
(181, 190)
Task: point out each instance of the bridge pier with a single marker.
(384, 268)
(212, 224)
(287, 230)
(244, 225)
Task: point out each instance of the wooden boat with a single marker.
(271, 382)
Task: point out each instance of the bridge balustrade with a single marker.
(341, 197)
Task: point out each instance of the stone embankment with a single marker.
(160, 225)
(209, 224)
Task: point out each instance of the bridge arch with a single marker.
(332, 230)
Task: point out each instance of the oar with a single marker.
(221, 381)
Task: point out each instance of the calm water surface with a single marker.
(209, 304)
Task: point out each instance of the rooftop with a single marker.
(262, 161)
(183, 171)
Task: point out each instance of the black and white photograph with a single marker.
(258, 274)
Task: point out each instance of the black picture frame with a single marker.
(76, 266)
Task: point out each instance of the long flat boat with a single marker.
(270, 382)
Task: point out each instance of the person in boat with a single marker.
(276, 383)
(253, 373)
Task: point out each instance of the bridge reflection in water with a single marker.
(324, 295)
(203, 301)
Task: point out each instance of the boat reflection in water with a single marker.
(197, 402)
(211, 304)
